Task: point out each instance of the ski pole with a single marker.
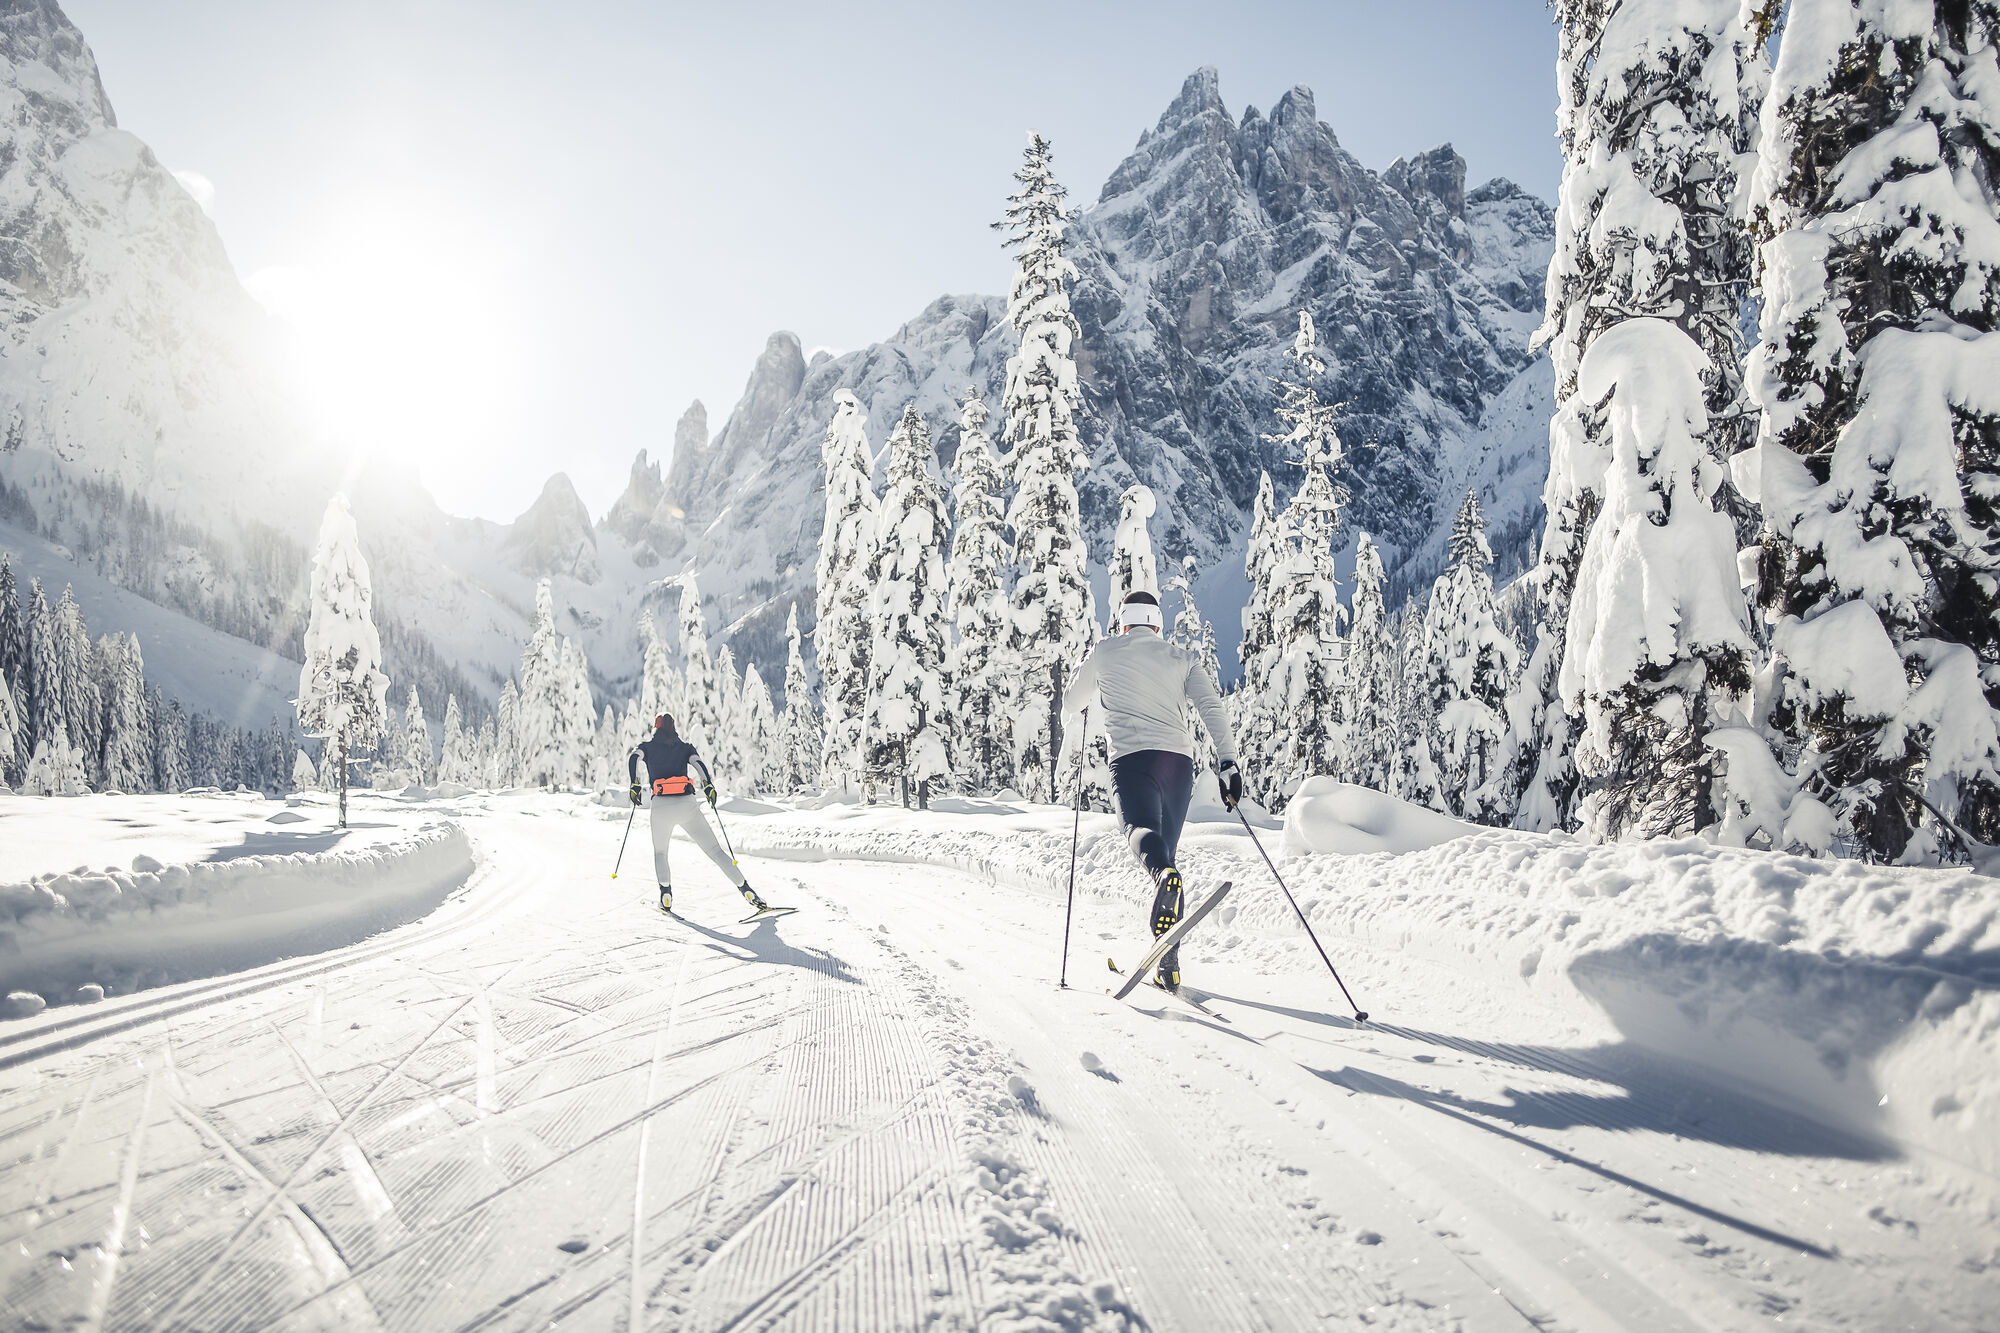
(621, 843)
(1360, 1015)
(1075, 831)
(717, 811)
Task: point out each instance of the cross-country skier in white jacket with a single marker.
(1143, 682)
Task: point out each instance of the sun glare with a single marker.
(400, 342)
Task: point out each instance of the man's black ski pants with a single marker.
(1153, 788)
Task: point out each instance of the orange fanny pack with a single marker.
(673, 786)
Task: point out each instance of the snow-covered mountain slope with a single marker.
(1193, 264)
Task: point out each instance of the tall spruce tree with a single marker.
(128, 738)
(1653, 123)
(343, 695)
(456, 763)
(170, 746)
(1055, 620)
(1196, 637)
(1306, 636)
(764, 752)
(729, 750)
(1416, 771)
(1259, 726)
(506, 753)
(800, 724)
(842, 636)
(1368, 676)
(1469, 664)
(10, 734)
(1878, 376)
(1133, 567)
(14, 667)
(417, 760)
(907, 733)
(977, 675)
(700, 722)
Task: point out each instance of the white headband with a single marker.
(1138, 613)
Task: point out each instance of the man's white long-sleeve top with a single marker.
(1142, 681)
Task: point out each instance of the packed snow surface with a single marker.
(549, 1105)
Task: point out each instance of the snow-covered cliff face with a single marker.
(129, 352)
(1202, 248)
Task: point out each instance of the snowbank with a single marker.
(1329, 816)
(62, 935)
(1866, 997)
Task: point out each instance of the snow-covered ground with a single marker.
(202, 883)
(546, 1105)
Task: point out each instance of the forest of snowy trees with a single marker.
(1766, 606)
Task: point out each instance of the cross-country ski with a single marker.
(1492, 634)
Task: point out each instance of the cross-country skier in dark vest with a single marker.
(1143, 682)
(668, 760)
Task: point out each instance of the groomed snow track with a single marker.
(549, 1106)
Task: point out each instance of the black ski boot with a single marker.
(1166, 911)
(667, 899)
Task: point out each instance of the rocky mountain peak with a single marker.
(634, 506)
(554, 535)
(46, 63)
(1436, 177)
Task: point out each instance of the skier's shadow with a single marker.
(1358, 1080)
(763, 944)
(1662, 1103)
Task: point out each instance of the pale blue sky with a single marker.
(599, 209)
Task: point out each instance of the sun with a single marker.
(400, 336)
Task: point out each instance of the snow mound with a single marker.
(65, 935)
(1330, 816)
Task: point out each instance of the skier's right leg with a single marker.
(1143, 801)
(662, 819)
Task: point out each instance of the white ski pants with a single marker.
(684, 812)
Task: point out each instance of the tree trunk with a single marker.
(903, 771)
(341, 741)
(1055, 731)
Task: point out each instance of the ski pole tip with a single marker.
(1360, 1016)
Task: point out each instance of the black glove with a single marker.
(1230, 778)
(633, 792)
(708, 790)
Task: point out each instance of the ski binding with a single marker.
(1174, 936)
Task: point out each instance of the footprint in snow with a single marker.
(1024, 1093)
(574, 1245)
(1090, 1061)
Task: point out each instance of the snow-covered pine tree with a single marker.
(392, 762)
(1659, 651)
(1055, 620)
(13, 667)
(700, 718)
(10, 732)
(579, 715)
(1133, 568)
(1259, 726)
(976, 671)
(660, 688)
(800, 725)
(170, 746)
(906, 729)
(504, 757)
(128, 729)
(417, 758)
(605, 751)
(1368, 677)
(1306, 637)
(763, 749)
(55, 769)
(1416, 772)
(1878, 376)
(304, 776)
(343, 695)
(1195, 636)
(842, 634)
(1653, 125)
(729, 752)
(456, 763)
(1469, 664)
(487, 756)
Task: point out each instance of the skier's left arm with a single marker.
(632, 771)
(707, 778)
(1201, 692)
